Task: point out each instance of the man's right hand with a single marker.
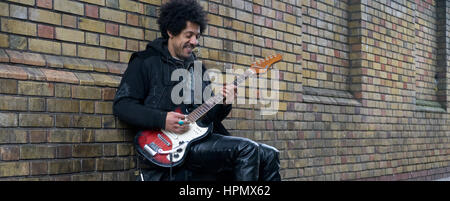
(172, 124)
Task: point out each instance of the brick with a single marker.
(112, 3)
(18, 12)
(13, 103)
(85, 78)
(131, 6)
(18, 42)
(215, 20)
(69, 7)
(133, 45)
(99, 66)
(62, 90)
(87, 106)
(8, 120)
(91, 11)
(38, 168)
(85, 92)
(44, 3)
(112, 29)
(113, 15)
(60, 76)
(26, 2)
(154, 2)
(92, 25)
(69, 35)
(108, 121)
(87, 150)
(61, 105)
(44, 46)
(112, 55)
(18, 27)
(69, 21)
(26, 58)
(105, 80)
(36, 88)
(45, 31)
(64, 136)
(131, 32)
(213, 43)
(45, 16)
(12, 136)
(92, 39)
(108, 93)
(98, 2)
(113, 42)
(103, 107)
(63, 120)
(8, 86)
(64, 151)
(4, 9)
(106, 164)
(36, 104)
(4, 42)
(3, 56)
(77, 64)
(132, 19)
(84, 121)
(37, 152)
(9, 153)
(53, 61)
(34, 74)
(69, 49)
(110, 150)
(124, 56)
(91, 52)
(116, 68)
(61, 166)
(35, 120)
(8, 169)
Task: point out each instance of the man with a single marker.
(143, 100)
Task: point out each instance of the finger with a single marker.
(179, 116)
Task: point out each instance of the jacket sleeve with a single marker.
(130, 96)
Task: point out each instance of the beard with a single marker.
(185, 51)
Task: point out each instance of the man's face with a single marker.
(181, 46)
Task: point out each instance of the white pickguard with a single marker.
(194, 132)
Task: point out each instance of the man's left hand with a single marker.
(229, 92)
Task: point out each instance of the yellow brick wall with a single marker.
(356, 96)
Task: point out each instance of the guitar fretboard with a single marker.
(213, 101)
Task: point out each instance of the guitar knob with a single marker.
(176, 155)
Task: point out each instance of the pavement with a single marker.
(444, 179)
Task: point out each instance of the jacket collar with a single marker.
(160, 45)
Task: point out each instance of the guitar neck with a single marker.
(213, 101)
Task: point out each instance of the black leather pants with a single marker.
(220, 157)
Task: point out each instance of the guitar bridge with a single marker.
(152, 149)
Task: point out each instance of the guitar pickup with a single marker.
(152, 148)
(164, 140)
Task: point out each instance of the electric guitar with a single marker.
(167, 149)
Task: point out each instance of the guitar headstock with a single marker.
(263, 65)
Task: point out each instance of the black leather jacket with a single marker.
(143, 97)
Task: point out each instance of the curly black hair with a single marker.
(174, 15)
